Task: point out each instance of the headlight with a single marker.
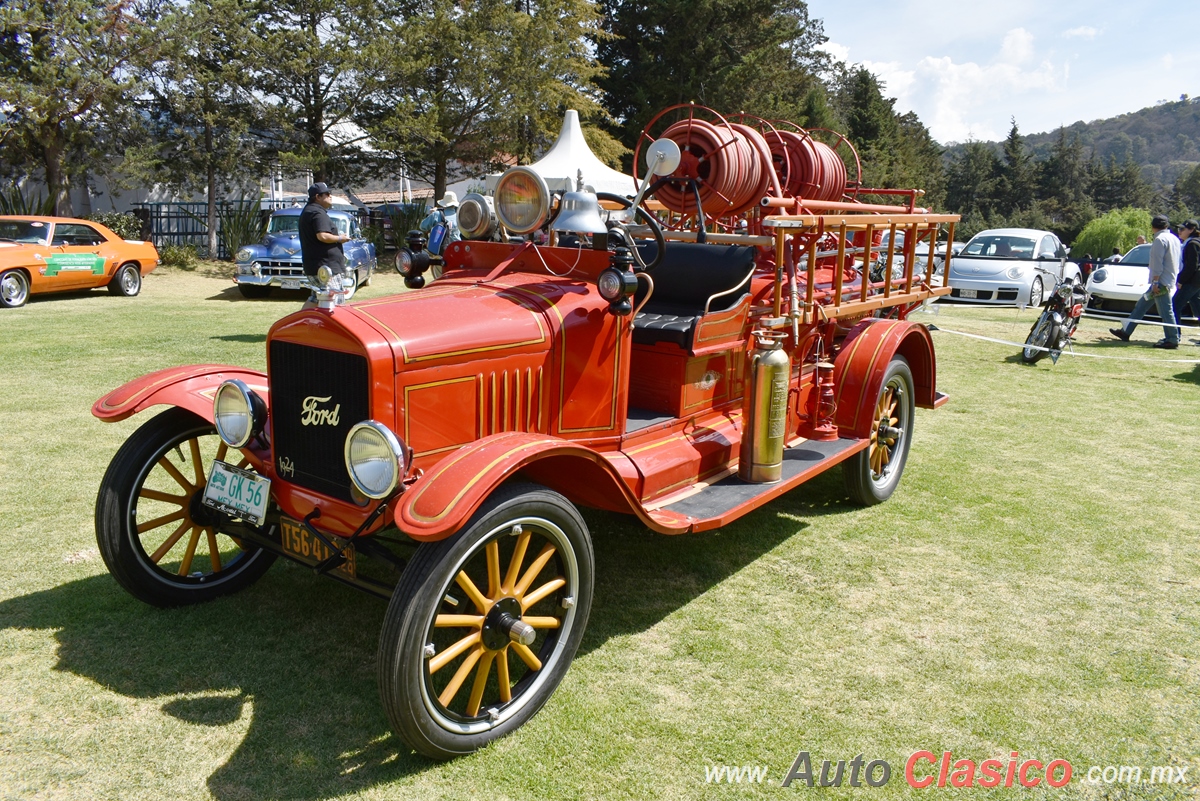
(522, 200)
(1100, 275)
(615, 285)
(374, 459)
(476, 218)
(244, 254)
(238, 413)
(1015, 272)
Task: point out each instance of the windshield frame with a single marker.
(23, 236)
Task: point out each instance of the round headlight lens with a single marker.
(238, 413)
(1100, 275)
(611, 285)
(244, 254)
(522, 200)
(374, 459)
(476, 220)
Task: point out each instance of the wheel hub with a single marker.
(202, 515)
(503, 625)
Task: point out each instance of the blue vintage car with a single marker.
(276, 262)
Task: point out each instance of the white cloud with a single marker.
(839, 52)
(1082, 32)
(1017, 47)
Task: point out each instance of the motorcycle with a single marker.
(1052, 331)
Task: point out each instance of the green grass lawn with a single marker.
(1032, 586)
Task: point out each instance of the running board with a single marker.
(709, 506)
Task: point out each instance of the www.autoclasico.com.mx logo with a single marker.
(926, 769)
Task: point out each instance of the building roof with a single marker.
(393, 196)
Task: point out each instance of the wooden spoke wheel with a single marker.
(157, 539)
(483, 625)
(873, 473)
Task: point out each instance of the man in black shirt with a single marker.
(320, 242)
(1189, 275)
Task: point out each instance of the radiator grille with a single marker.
(281, 269)
(317, 395)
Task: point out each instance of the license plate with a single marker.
(291, 283)
(968, 293)
(303, 546)
(237, 492)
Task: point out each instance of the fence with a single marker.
(185, 223)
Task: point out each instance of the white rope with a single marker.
(1070, 352)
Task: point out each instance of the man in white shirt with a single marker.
(1164, 267)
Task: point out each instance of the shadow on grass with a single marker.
(300, 651)
(1190, 376)
(242, 338)
(234, 295)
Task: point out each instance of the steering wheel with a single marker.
(655, 228)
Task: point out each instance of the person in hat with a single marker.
(1189, 275)
(444, 211)
(320, 242)
(1164, 268)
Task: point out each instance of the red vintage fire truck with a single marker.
(684, 354)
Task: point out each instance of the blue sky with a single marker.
(967, 68)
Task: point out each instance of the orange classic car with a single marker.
(60, 254)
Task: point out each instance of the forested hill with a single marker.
(1163, 139)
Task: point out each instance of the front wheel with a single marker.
(158, 540)
(127, 281)
(14, 289)
(872, 474)
(483, 625)
(1039, 338)
(1036, 292)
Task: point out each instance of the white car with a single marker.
(1116, 286)
(1010, 265)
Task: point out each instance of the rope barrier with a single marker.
(1067, 352)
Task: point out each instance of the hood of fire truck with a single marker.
(459, 321)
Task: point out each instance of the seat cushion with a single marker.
(652, 327)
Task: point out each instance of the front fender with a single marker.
(191, 387)
(860, 366)
(440, 502)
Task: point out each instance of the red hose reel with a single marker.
(727, 167)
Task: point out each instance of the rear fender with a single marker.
(863, 360)
(191, 387)
(441, 501)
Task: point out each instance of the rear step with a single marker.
(713, 506)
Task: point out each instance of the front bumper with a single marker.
(288, 282)
(1003, 291)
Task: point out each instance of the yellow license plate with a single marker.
(298, 543)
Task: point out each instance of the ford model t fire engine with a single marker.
(684, 355)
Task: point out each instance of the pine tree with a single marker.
(1018, 175)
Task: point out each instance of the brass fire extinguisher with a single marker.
(764, 409)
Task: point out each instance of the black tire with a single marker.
(1037, 292)
(126, 281)
(872, 474)
(254, 291)
(14, 288)
(138, 490)
(429, 704)
(1044, 332)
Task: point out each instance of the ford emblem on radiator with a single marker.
(312, 415)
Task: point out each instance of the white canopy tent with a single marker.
(571, 155)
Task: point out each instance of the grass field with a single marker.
(1033, 586)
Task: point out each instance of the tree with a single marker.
(67, 73)
(1187, 189)
(1063, 185)
(201, 112)
(1018, 175)
(1118, 229)
(757, 56)
(465, 84)
(1119, 185)
(973, 180)
(311, 60)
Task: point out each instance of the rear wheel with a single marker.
(127, 281)
(1039, 337)
(14, 289)
(254, 291)
(873, 474)
(157, 539)
(483, 625)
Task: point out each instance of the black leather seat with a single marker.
(688, 276)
